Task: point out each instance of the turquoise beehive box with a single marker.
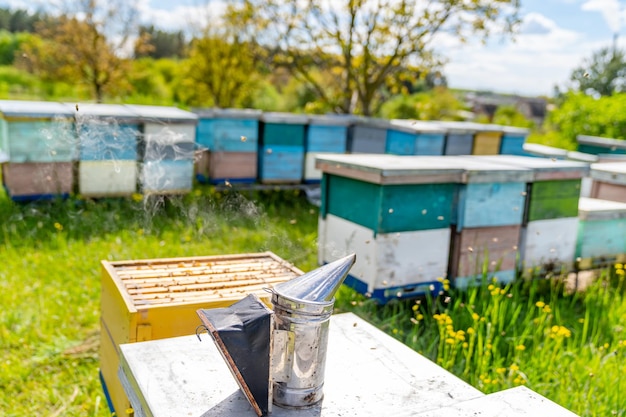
(228, 140)
(601, 236)
(414, 137)
(395, 213)
(324, 134)
(38, 146)
(598, 145)
(281, 148)
(513, 139)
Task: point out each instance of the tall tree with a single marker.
(161, 44)
(366, 43)
(223, 64)
(85, 46)
(604, 74)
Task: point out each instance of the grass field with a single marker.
(568, 347)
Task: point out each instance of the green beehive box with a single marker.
(554, 199)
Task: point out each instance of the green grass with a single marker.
(572, 351)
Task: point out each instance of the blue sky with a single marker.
(555, 37)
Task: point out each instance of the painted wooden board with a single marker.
(553, 199)
(596, 145)
(281, 164)
(388, 265)
(164, 132)
(166, 176)
(392, 169)
(549, 244)
(169, 377)
(487, 143)
(585, 187)
(491, 204)
(485, 249)
(163, 115)
(608, 191)
(283, 129)
(107, 178)
(459, 143)
(232, 167)
(106, 140)
(389, 208)
(40, 141)
(481, 169)
(37, 179)
(582, 157)
(368, 135)
(605, 157)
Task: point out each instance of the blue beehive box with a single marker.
(513, 139)
(324, 134)
(229, 139)
(282, 145)
(108, 136)
(414, 137)
(395, 213)
(368, 135)
(544, 151)
(490, 212)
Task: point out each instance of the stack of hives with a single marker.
(158, 298)
(38, 143)
(229, 141)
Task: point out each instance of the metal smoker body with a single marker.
(297, 337)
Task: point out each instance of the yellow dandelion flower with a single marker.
(137, 197)
(415, 307)
(514, 367)
(500, 370)
(58, 226)
(440, 279)
(465, 345)
(547, 309)
(450, 341)
(540, 304)
(475, 316)
(395, 331)
(488, 346)
(619, 266)
(490, 287)
(487, 380)
(470, 330)
(502, 291)
(606, 345)
(420, 317)
(520, 347)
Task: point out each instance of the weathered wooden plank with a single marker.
(323, 137)
(368, 136)
(608, 191)
(486, 143)
(491, 204)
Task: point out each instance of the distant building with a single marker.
(533, 108)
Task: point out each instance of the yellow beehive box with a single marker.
(157, 298)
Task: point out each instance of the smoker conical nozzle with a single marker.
(319, 285)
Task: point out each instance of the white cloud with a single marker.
(541, 57)
(611, 10)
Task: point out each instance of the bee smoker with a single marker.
(278, 356)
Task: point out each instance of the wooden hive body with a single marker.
(230, 138)
(602, 232)
(324, 134)
(512, 142)
(395, 213)
(281, 150)
(158, 298)
(487, 143)
(37, 180)
(368, 136)
(107, 178)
